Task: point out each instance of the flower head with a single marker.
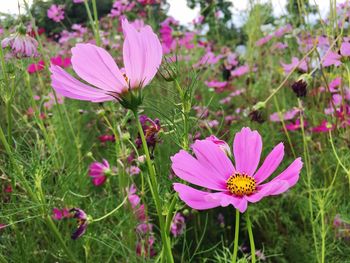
(21, 44)
(142, 55)
(82, 220)
(236, 185)
(98, 172)
(56, 13)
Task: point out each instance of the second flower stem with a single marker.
(235, 246)
(155, 194)
(251, 238)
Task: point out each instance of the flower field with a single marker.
(129, 136)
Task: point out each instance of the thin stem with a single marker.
(155, 194)
(235, 246)
(97, 31)
(110, 213)
(251, 238)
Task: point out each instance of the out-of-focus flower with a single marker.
(120, 7)
(151, 129)
(295, 61)
(325, 126)
(263, 40)
(133, 170)
(78, 1)
(82, 220)
(21, 44)
(260, 255)
(240, 71)
(36, 67)
(295, 126)
(300, 88)
(213, 169)
(56, 13)
(331, 58)
(106, 138)
(178, 225)
(286, 116)
(99, 171)
(345, 49)
(145, 247)
(59, 214)
(142, 55)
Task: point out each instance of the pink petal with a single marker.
(291, 174)
(213, 158)
(195, 198)
(267, 189)
(70, 87)
(226, 199)
(247, 148)
(345, 49)
(142, 54)
(191, 170)
(270, 164)
(96, 66)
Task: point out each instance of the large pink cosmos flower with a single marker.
(236, 185)
(142, 55)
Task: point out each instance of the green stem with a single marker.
(251, 238)
(97, 30)
(110, 213)
(235, 246)
(155, 194)
(92, 22)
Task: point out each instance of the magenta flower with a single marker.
(345, 49)
(82, 220)
(236, 185)
(98, 172)
(142, 55)
(56, 13)
(59, 214)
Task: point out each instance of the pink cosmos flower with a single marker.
(216, 84)
(331, 58)
(288, 115)
(345, 49)
(56, 13)
(78, 1)
(240, 71)
(295, 61)
(236, 185)
(142, 55)
(98, 171)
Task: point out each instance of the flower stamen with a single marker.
(241, 184)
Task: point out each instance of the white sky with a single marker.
(180, 11)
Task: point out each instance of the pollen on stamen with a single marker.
(241, 184)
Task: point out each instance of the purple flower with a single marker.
(82, 220)
(98, 172)
(331, 58)
(178, 225)
(150, 128)
(295, 61)
(56, 13)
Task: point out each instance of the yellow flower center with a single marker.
(241, 184)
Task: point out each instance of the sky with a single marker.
(180, 11)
